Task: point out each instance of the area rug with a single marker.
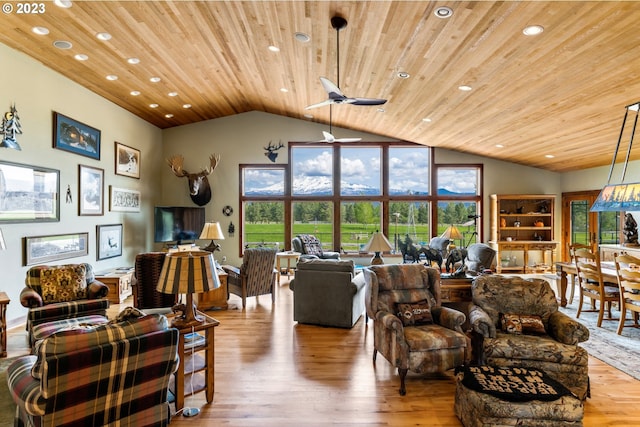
(620, 351)
(7, 407)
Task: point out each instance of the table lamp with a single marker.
(377, 244)
(187, 273)
(213, 231)
(451, 233)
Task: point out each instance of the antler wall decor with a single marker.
(271, 151)
(199, 188)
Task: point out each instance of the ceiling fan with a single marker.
(333, 90)
(328, 136)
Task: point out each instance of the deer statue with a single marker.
(199, 188)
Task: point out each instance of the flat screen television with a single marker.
(177, 223)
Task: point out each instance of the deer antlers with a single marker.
(176, 163)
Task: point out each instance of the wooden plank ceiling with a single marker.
(560, 93)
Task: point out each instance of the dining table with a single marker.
(565, 269)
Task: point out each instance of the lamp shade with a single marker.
(188, 273)
(212, 230)
(378, 243)
(452, 233)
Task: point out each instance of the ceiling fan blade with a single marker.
(367, 101)
(348, 139)
(328, 137)
(332, 90)
(319, 104)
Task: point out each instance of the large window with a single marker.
(344, 192)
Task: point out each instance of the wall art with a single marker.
(75, 137)
(10, 128)
(127, 161)
(123, 200)
(44, 249)
(90, 190)
(29, 193)
(108, 241)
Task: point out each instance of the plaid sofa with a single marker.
(114, 374)
(62, 292)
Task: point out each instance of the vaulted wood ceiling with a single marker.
(561, 93)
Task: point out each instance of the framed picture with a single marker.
(76, 137)
(108, 241)
(90, 190)
(29, 193)
(44, 249)
(123, 200)
(127, 161)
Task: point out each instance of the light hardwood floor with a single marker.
(271, 371)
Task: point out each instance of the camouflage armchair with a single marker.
(540, 336)
(410, 327)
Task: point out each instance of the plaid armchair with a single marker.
(114, 374)
(256, 276)
(410, 327)
(62, 292)
(552, 346)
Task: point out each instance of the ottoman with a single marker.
(482, 409)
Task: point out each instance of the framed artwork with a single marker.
(108, 241)
(29, 193)
(123, 200)
(90, 190)
(127, 161)
(75, 137)
(44, 249)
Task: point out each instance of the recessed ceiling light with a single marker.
(168, 116)
(302, 37)
(62, 44)
(41, 31)
(81, 57)
(135, 92)
(404, 75)
(133, 61)
(284, 90)
(103, 36)
(155, 79)
(63, 3)
(112, 77)
(186, 106)
(153, 105)
(273, 48)
(464, 88)
(549, 156)
(499, 146)
(533, 30)
(426, 120)
(443, 12)
(173, 94)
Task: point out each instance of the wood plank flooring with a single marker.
(272, 372)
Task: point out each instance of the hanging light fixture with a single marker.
(621, 197)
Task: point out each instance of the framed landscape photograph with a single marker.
(29, 193)
(108, 241)
(75, 137)
(127, 161)
(44, 249)
(123, 200)
(90, 190)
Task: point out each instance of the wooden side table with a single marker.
(4, 302)
(289, 256)
(216, 298)
(119, 282)
(202, 368)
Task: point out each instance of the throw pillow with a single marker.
(414, 314)
(63, 284)
(522, 324)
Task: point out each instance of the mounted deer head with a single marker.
(199, 188)
(271, 151)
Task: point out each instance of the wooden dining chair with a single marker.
(592, 285)
(628, 270)
(574, 280)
